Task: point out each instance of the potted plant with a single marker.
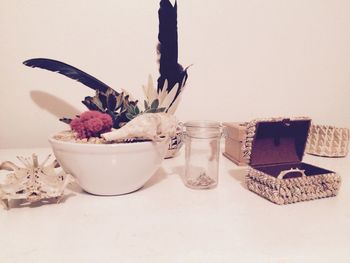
(117, 132)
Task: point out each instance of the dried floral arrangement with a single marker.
(110, 109)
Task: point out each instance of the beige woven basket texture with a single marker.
(328, 141)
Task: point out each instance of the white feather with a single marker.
(152, 92)
(145, 92)
(173, 107)
(169, 97)
(183, 84)
(149, 91)
(163, 93)
(175, 104)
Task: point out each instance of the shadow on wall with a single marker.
(53, 104)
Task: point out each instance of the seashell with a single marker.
(147, 126)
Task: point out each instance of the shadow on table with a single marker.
(239, 175)
(76, 188)
(179, 170)
(14, 204)
(159, 176)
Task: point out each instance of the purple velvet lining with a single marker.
(279, 142)
(274, 170)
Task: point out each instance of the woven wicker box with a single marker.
(328, 141)
(274, 149)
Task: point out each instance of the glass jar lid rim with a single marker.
(202, 124)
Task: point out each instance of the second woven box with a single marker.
(329, 141)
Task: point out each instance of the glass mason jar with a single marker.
(202, 148)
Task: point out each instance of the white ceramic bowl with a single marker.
(109, 169)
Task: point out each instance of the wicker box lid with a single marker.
(277, 141)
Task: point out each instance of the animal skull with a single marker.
(33, 182)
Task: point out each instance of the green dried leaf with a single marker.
(151, 110)
(66, 120)
(111, 102)
(88, 102)
(130, 109)
(160, 110)
(155, 104)
(120, 98)
(130, 116)
(102, 98)
(146, 105)
(97, 102)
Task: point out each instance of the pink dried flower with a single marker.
(78, 126)
(107, 121)
(91, 124)
(87, 115)
(94, 125)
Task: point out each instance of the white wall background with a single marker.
(252, 58)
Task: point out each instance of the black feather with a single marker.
(68, 71)
(169, 68)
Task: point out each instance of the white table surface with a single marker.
(167, 222)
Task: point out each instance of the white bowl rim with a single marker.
(138, 145)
